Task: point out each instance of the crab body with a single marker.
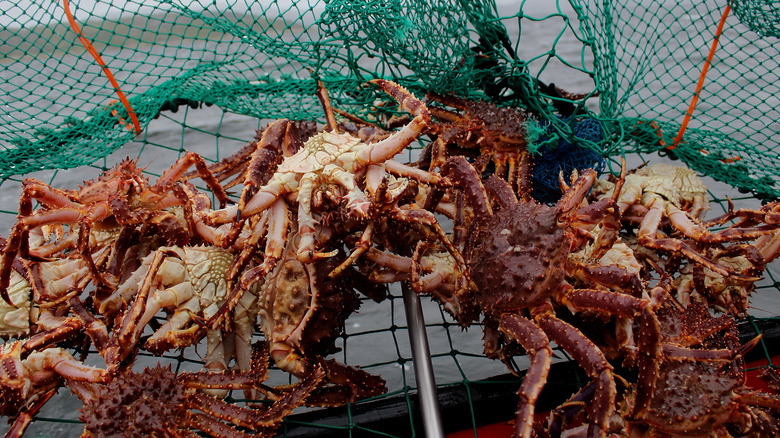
(499, 133)
(532, 248)
(191, 284)
(302, 312)
(518, 253)
(159, 402)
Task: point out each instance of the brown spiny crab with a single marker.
(159, 402)
(302, 312)
(499, 133)
(120, 195)
(696, 398)
(519, 258)
(28, 379)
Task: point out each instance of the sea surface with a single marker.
(377, 337)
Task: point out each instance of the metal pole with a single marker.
(423, 368)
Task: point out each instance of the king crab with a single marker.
(519, 267)
(704, 392)
(190, 283)
(302, 312)
(663, 191)
(329, 164)
(499, 133)
(158, 402)
(121, 195)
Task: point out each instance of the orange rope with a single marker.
(700, 85)
(106, 71)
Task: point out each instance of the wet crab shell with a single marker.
(151, 403)
(15, 319)
(509, 266)
(691, 400)
(308, 310)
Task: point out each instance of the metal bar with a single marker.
(423, 368)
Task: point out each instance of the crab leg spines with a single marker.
(386, 149)
(265, 160)
(322, 94)
(524, 185)
(362, 245)
(648, 338)
(95, 329)
(769, 246)
(500, 191)
(125, 338)
(211, 426)
(250, 249)
(464, 175)
(588, 355)
(176, 172)
(537, 345)
(67, 328)
(571, 200)
(279, 222)
(306, 222)
(24, 418)
(647, 237)
(427, 218)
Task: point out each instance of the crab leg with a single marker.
(769, 246)
(278, 224)
(588, 355)
(26, 416)
(322, 94)
(265, 160)
(126, 334)
(427, 218)
(647, 237)
(360, 248)
(648, 339)
(176, 172)
(537, 345)
(386, 149)
(306, 222)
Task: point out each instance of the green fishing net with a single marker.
(601, 79)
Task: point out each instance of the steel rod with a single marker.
(423, 368)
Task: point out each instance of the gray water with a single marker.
(377, 332)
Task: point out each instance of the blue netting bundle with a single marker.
(558, 153)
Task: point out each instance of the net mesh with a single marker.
(205, 75)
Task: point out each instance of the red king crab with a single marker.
(158, 402)
(190, 283)
(703, 393)
(519, 265)
(121, 195)
(302, 312)
(660, 191)
(344, 164)
(499, 133)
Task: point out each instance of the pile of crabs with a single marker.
(621, 271)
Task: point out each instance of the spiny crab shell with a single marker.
(319, 150)
(532, 247)
(692, 398)
(151, 403)
(302, 309)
